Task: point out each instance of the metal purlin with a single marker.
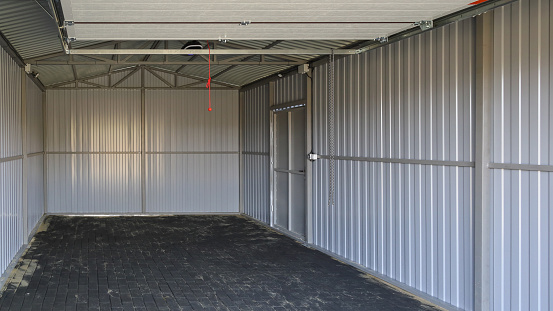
(331, 148)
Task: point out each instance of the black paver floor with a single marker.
(185, 263)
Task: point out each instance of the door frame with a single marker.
(306, 104)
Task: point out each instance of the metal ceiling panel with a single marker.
(235, 32)
(29, 28)
(247, 19)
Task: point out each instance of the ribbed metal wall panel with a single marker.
(192, 154)
(192, 183)
(408, 100)
(256, 153)
(178, 121)
(35, 126)
(94, 183)
(93, 121)
(11, 214)
(290, 88)
(10, 106)
(522, 214)
(35, 191)
(93, 146)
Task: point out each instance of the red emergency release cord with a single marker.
(208, 85)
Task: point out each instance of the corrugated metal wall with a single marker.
(35, 126)
(11, 213)
(290, 88)
(35, 154)
(94, 147)
(11, 188)
(10, 110)
(522, 129)
(35, 191)
(404, 175)
(93, 151)
(256, 153)
(192, 154)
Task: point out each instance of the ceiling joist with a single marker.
(213, 52)
(155, 72)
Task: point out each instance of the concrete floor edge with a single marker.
(7, 274)
(381, 277)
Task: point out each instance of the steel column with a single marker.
(482, 187)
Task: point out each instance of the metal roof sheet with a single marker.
(30, 28)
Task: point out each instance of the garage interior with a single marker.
(383, 155)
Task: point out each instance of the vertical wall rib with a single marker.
(522, 215)
(35, 149)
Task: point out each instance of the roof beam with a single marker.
(57, 54)
(270, 46)
(154, 46)
(182, 63)
(191, 77)
(213, 52)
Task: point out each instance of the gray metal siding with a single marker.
(410, 100)
(192, 154)
(35, 146)
(35, 126)
(11, 163)
(256, 153)
(35, 191)
(192, 183)
(178, 121)
(522, 129)
(93, 183)
(93, 141)
(290, 88)
(93, 121)
(10, 107)
(11, 214)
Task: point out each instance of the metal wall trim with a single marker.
(141, 88)
(403, 161)
(271, 154)
(143, 201)
(521, 167)
(25, 162)
(290, 105)
(93, 152)
(2, 160)
(279, 170)
(256, 153)
(30, 155)
(241, 123)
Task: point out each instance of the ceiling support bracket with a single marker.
(424, 25)
(382, 39)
